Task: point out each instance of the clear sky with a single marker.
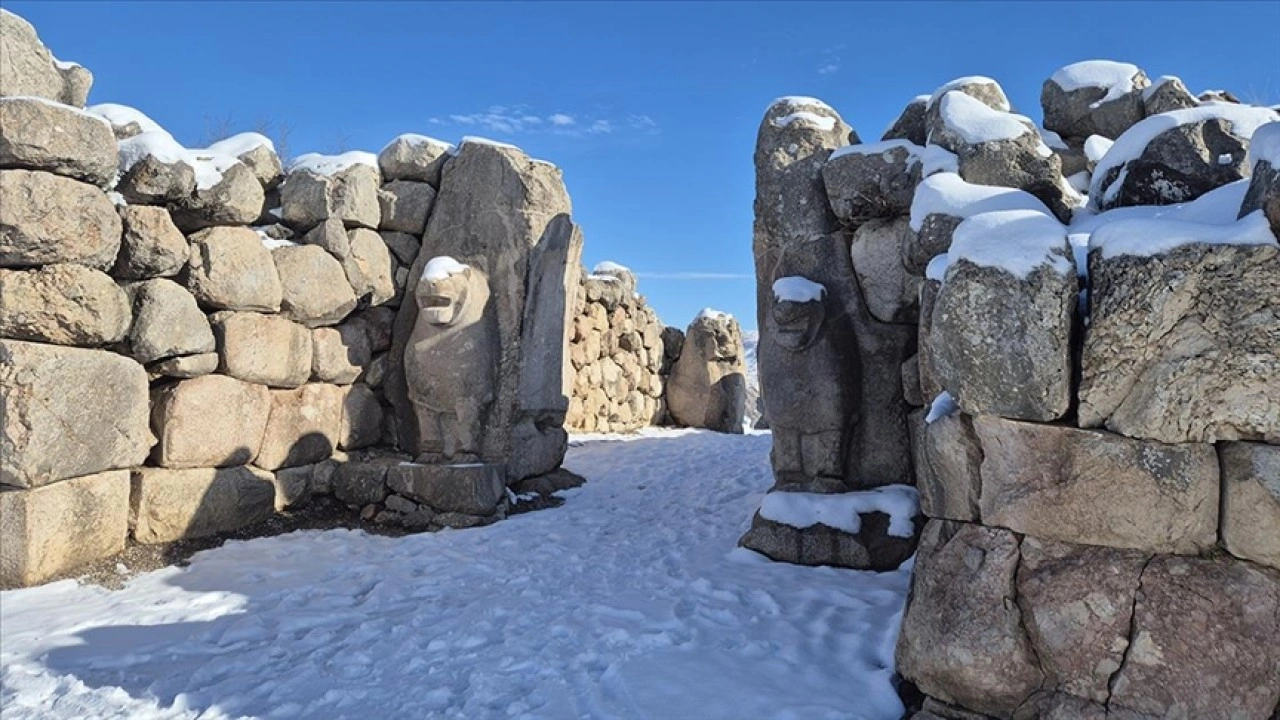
(651, 109)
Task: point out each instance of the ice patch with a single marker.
(841, 510)
(439, 268)
(942, 406)
(797, 289)
(948, 194)
(318, 164)
(1152, 237)
(1116, 78)
(977, 123)
(1016, 241)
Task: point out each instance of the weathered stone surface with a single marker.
(166, 322)
(151, 181)
(948, 458)
(872, 181)
(303, 426)
(37, 134)
(173, 505)
(37, 229)
(266, 349)
(67, 412)
(292, 486)
(27, 67)
(152, 246)
(48, 531)
(235, 199)
(64, 304)
(962, 638)
(910, 125)
(314, 288)
(1078, 112)
(1077, 604)
(1184, 346)
(1264, 193)
(871, 548)
(402, 245)
(891, 295)
(339, 354)
(209, 421)
(1166, 95)
(414, 157)
(707, 387)
(1199, 643)
(369, 266)
(1002, 344)
(230, 269)
(469, 489)
(188, 366)
(264, 162)
(932, 239)
(930, 385)
(1251, 501)
(351, 195)
(1060, 483)
(361, 418)
(363, 482)
(406, 205)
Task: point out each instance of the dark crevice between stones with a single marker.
(1133, 628)
(1026, 633)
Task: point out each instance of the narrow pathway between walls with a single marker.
(629, 601)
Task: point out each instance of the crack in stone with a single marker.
(1133, 626)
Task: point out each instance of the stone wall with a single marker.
(193, 339)
(1094, 440)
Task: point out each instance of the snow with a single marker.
(1116, 78)
(153, 143)
(318, 164)
(1151, 237)
(937, 267)
(271, 243)
(885, 147)
(1096, 147)
(961, 82)
(798, 101)
(1265, 145)
(710, 314)
(1015, 241)
(608, 266)
(474, 140)
(60, 106)
(937, 159)
(1244, 121)
(238, 145)
(942, 406)
(1052, 139)
(822, 122)
(797, 289)
(1219, 206)
(439, 268)
(122, 115)
(841, 511)
(1149, 91)
(1079, 182)
(414, 139)
(977, 123)
(65, 64)
(948, 194)
(629, 601)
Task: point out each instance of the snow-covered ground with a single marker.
(629, 601)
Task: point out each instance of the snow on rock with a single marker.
(439, 268)
(631, 600)
(884, 147)
(272, 243)
(710, 314)
(1244, 120)
(121, 116)
(937, 267)
(841, 510)
(822, 122)
(975, 123)
(151, 143)
(238, 145)
(1052, 139)
(318, 164)
(1116, 78)
(1096, 147)
(936, 159)
(414, 139)
(1016, 241)
(799, 101)
(797, 289)
(608, 266)
(474, 140)
(970, 80)
(1265, 145)
(1080, 184)
(1219, 206)
(942, 406)
(948, 194)
(1145, 237)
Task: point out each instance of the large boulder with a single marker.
(469, 489)
(1264, 184)
(155, 170)
(170, 505)
(27, 68)
(227, 193)
(1251, 501)
(414, 157)
(361, 418)
(167, 322)
(963, 638)
(1176, 157)
(942, 201)
(256, 152)
(63, 304)
(340, 354)
(36, 134)
(1199, 647)
(1182, 346)
(48, 531)
(405, 206)
(1062, 483)
(369, 266)
(1166, 94)
(707, 387)
(873, 180)
(889, 291)
(1000, 339)
(152, 245)
(344, 188)
(911, 124)
(948, 458)
(37, 229)
(208, 421)
(1094, 97)
(315, 291)
(303, 427)
(1077, 604)
(266, 349)
(230, 269)
(66, 412)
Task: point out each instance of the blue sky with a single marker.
(659, 101)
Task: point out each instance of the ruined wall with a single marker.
(1097, 387)
(193, 339)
